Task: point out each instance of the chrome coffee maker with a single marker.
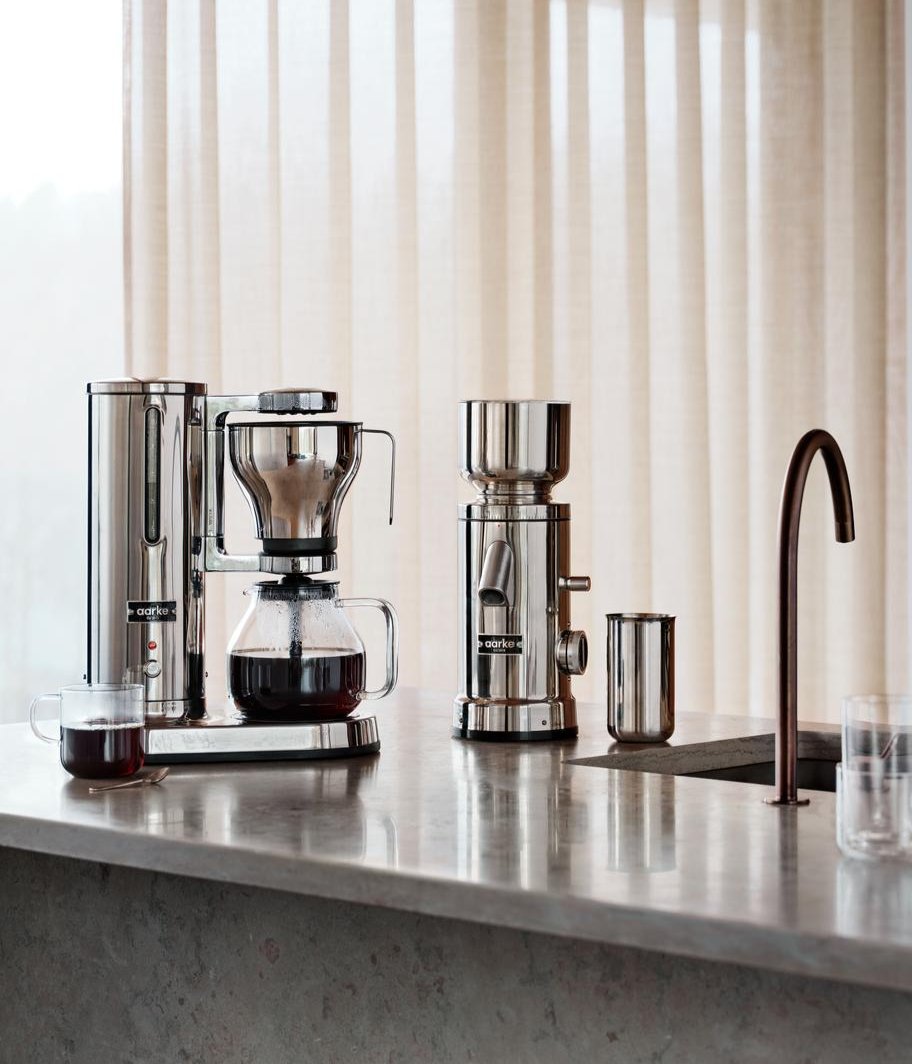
(517, 650)
(157, 457)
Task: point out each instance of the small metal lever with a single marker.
(573, 583)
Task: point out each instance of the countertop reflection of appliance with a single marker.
(157, 451)
(517, 648)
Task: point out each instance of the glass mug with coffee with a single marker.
(101, 728)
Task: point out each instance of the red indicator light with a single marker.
(152, 644)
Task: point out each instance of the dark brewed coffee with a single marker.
(321, 685)
(97, 751)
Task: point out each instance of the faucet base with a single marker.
(787, 801)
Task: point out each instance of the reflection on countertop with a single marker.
(514, 834)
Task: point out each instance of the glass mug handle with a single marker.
(392, 642)
(33, 715)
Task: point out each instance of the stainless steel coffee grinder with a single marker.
(157, 458)
(517, 650)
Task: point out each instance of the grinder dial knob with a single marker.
(572, 653)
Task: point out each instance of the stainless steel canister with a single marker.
(641, 670)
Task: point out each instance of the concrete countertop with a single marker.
(504, 834)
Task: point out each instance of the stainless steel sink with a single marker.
(814, 774)
(748, 759)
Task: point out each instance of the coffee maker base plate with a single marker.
(487, 720)
(228, 738)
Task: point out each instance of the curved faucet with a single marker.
(789, 519)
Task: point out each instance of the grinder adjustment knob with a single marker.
(572, 653)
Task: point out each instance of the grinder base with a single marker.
(490, 720)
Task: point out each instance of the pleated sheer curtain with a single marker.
(688, 218)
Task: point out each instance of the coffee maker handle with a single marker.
(392, 439)
(392, 642)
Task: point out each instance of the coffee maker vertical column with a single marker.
(145, 575)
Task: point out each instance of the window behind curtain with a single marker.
(61, 319)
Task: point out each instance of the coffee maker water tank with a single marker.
(145, 572)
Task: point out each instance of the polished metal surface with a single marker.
(510, 652)
(287, 565)
(641, 677)
(295, 476)
(297, 401)
(517, 649)
(574, 583)
(483, 510)
(572, 653)
(496, 585)
(479, 719)
(135, 386)
(789, 521)
(514, 447)
(145, 571)
(225, 737)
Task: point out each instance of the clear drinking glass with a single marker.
(101, 728)
(874, 781)
(877, 733)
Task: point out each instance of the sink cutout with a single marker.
(748, 759)
(814, 774)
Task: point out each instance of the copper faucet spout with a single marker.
(789, 521)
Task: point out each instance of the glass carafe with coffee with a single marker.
(295, 657)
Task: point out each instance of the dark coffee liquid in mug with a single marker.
(98, 751)
(320, 685)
